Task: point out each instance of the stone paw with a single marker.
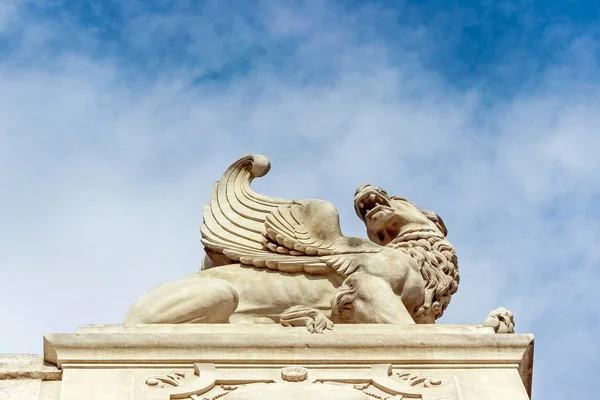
(312, 319)
(501, 319)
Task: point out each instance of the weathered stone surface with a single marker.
(270, 262)
(501, 320)
(28, 377)
(267, 257)
(20, 366)
(20, 389)
(27, 366)
(225, 361)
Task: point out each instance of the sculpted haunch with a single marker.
(273, 260)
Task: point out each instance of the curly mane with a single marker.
(439, 268)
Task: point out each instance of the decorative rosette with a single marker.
(294, 374)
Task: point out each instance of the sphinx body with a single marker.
(240, 294)
(232, 293)
(267, 257)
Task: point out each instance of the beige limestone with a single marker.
(28, 377)
(272, 260)
(501, 320)
(210, 361)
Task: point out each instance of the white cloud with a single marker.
(104, 176)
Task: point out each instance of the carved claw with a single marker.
(312, 319)
(501, 319)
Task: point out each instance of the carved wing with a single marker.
(285, 235)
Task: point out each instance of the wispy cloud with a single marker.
(113, 130)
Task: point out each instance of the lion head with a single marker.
(396, 222)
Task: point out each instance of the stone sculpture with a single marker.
(279, 261)
(286, 261)
(501, 320)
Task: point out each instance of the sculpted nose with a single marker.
(361, 188)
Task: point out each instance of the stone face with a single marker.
(207, 361)
(269, 257)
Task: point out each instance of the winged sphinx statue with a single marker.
(270, 260)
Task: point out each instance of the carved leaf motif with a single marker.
(174, 379)
(222, 390)
(418, 380)
(380, 394)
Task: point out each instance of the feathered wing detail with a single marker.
(235, 216)
(285, 235)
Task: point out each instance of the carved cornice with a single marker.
(442, 345)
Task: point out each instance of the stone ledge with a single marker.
(98, 357)
(442, 345)
(27, 366)
(276, 328)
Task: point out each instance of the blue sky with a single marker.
(117, 116)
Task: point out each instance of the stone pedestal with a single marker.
(235, 362)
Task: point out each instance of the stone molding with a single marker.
(164, 346)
